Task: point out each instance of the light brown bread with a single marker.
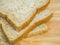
(37, 31)
(20, 13)
(15, 36)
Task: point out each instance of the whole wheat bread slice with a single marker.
(20, 13)
(14, 36)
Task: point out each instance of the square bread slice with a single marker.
(15, 36)
(37, 31)
(20, 13)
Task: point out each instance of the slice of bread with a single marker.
(38, 30)
(14, 36)
(3, 40)
(20, 13)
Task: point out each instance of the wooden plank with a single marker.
(55, 1)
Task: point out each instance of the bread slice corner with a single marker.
(20, 15)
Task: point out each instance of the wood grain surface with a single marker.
(52, 37)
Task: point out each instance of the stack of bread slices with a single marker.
(21, 19)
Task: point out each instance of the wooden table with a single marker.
(52, 37)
